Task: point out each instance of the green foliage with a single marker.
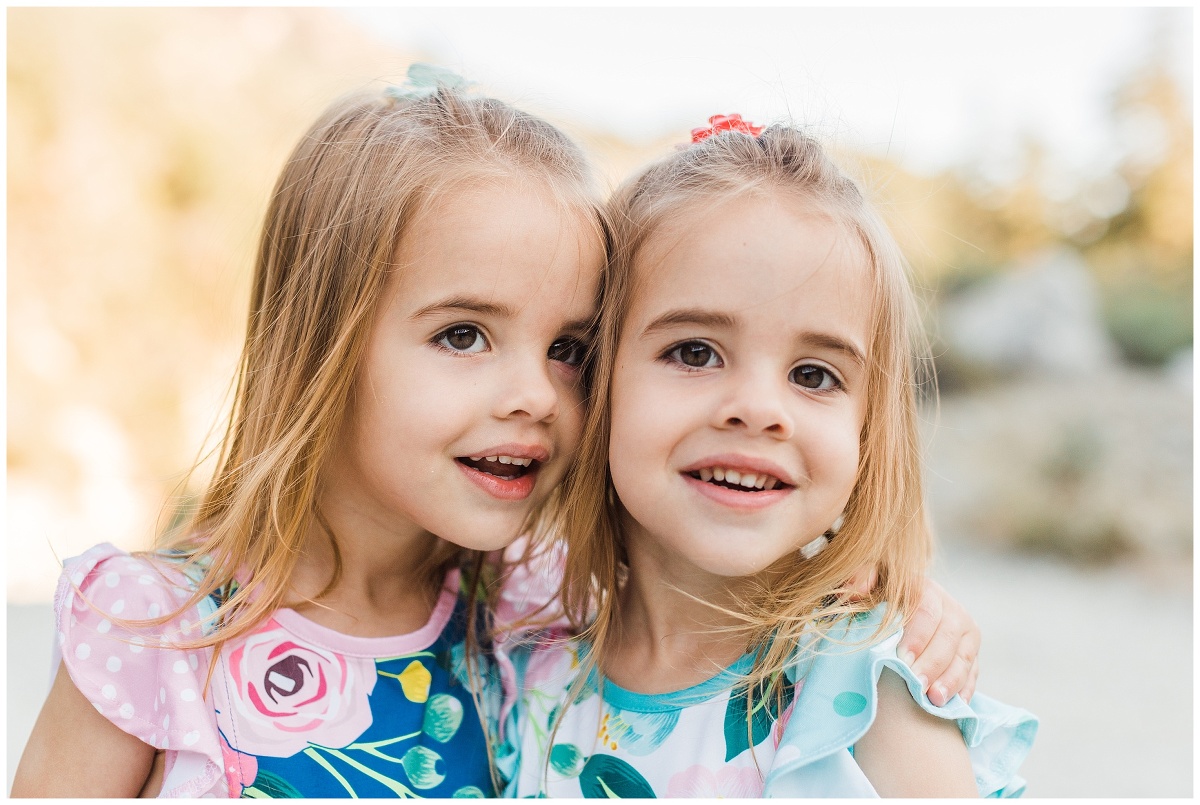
(1148, 322)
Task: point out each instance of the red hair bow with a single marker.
(720, 123)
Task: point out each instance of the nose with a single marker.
(527, 389)
(755, 400)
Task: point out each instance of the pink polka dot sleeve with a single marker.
(133, 676)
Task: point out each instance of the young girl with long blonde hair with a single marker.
(752, 440)
(407, 397)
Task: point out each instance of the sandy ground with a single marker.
(1102, 656)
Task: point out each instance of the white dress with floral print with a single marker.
(698, 742)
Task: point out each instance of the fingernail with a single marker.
(924, 682)
(940, 697)
(907, 657)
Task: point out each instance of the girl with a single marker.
(753, 441)
(408, 398)
(408, 395)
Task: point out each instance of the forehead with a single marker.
(500, 236)
(752, 250)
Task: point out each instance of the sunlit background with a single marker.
(1036, 165)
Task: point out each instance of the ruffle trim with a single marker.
(147, 689)
(837, 705)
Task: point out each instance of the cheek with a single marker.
(840, 455)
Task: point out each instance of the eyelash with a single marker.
(444, 336)
(674, 356)
(567, 350)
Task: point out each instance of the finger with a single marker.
(948, 643)
(950, 682)
(968, 691)
(923, 624)
(862, 582)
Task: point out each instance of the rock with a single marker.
(1179, 369)
(1041, 317)
(1090, 468)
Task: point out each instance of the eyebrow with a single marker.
(711, 318)
(466, 304)
(694, 316)
(833, 342)
(478, 306)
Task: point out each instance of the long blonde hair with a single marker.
(885, 522)
(343, 201)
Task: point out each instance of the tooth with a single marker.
(505, 460)
(477, 458)
(524, 462)
(706, 474)
(491, 458)
(748, 480)
(719, 473)
(733, 477)
(760, 480)
(771, 483)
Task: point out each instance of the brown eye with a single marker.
(696, 355)
(462, 338)
(813, 377)
(567, 350)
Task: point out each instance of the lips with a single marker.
(739, 481)
(507, 472)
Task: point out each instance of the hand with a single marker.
(941, 645)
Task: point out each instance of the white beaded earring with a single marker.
(817, 545)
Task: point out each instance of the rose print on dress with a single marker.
(287, 694)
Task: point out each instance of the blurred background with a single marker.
(1036, 166)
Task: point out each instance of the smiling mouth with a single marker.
(505, 467)
(738, 480)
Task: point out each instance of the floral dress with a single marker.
(700, 741)
(294, 709)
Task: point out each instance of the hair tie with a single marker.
(424, 80)
(722, 123)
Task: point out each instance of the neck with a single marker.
(675, 625)
(386, 585)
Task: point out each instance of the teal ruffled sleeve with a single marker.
(836, 704)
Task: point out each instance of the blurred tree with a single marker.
(1145, 255)
(142, 145)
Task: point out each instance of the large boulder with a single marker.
(1040, 317)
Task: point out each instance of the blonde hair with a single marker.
(885, 523)
(343, 201)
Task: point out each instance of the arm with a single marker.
(74, 751)
(909, 753)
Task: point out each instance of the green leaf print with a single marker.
(608, 777)
(270, 786)
(443, 714)
(420, 764)
(766, 710)
(566, 759)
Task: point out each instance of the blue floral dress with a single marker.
(698, 742)
(294, 709)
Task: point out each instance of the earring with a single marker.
(817, 545)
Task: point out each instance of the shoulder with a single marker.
(105, 585)
(138, 675)
(838, 699)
